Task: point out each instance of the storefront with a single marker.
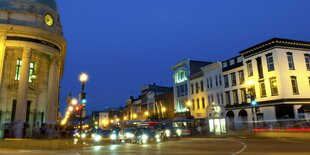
(217, 123)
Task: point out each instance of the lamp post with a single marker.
(83, 79)
(251, 99)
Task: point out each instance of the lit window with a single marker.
(270, 63)
(290, 61)
(294, 85)
(262, 89)
(18, 68)
(250, 68)
(273, 86)
(31, 70)
(307, 59)
(180, 76)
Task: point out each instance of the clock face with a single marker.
(49, 21)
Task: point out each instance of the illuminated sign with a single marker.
(180, 76)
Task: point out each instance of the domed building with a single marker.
(32, 56)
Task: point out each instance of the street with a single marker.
(229, 146)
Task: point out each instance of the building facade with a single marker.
(181, 85)
(215, 111)
(32, 55)
(276, 84)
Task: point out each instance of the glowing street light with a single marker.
(134, 116)
(146, 113)
(70, 108)
(74, 101)
(164, 109)
(83, 77)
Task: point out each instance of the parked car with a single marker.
(146, 135)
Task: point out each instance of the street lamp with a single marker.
(74, 102)
(83, 79)
(146, 113)
(251, 98)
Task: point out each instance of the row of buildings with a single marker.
(266, 85)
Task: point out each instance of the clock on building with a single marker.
(49, 21)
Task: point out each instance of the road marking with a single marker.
(243, 148)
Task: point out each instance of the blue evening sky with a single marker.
(123, 44)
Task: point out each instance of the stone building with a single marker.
(32, 56)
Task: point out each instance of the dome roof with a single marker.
(9, 4)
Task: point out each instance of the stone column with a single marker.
(52, 96)
(21, 107)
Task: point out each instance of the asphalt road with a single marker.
(193, 146)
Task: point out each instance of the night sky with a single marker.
(123, 44)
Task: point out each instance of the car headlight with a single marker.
(144, 137)
(179, 132)
(83, 135)
(97, 138)
(113, 136)
(93, 135)
(157, 136)
(129, 135)
(167, 132)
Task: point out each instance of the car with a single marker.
(146, 135)
(126, 134)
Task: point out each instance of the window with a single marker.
(211, 82)
(226, 82)
(201, 85)
(232, 62)
(243, 95)
(307, 59)
(233, 79)
(273, 86)
(290, 61)
(193, 104)
(218, 98)
(270, 63)
(212, 98)
(235, 96)
(222, 98)
(216, 81)
(239, 60)
(31, 70)
(197, 88)
(209, 100)
(262, 89)
(224, 64)
(203, 103)
(192, 88)
(241, 77)
(208, 84)
(198, 104)
(220, 79)
(18, 68)
(249, 68)
(182, 90)
(294, 85)
(227, 95)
